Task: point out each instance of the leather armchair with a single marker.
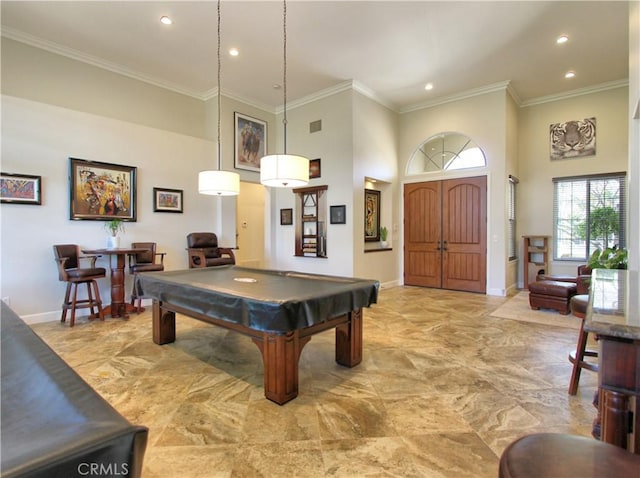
(204, 251)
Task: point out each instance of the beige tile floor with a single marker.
(442, 390)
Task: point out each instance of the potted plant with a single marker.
(609, 258)
(114, 226)
(384, 233)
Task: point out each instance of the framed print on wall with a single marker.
(101, 191)
(286, 217)
(167, 200)
(250, 142)
(371, 215)
(314, 168)
(338, 214)
(20, 189)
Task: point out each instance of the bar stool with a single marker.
(144, 262)
(562, 455)
(579, 308)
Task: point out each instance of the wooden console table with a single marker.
(614, 316)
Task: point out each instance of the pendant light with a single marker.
(284, 170)
(219, 182)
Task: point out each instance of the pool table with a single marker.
(279, 310)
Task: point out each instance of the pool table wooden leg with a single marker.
(280, 356)
(349, 340)
(164, 324)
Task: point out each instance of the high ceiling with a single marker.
(391, 49)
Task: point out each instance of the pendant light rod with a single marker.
(219, 146)
(284, 170)
(219, 183)
(284, 71)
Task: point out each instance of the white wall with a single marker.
(38, 139)
(334, 146)
(375, 133)
(481, 118)
(634, 135)
(535, 208)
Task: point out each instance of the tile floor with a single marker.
(442, 390)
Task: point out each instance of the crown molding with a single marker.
(483, 90)
(52, 47)
(611, 85)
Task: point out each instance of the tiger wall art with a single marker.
(573, 139)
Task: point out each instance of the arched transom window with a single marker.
(446, 151)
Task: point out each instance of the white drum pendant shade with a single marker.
(218, 183)
(284, 170)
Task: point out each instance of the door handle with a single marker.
(444, 247)
(438, 248)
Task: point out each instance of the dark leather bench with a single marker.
(548, 294)
(53, 423)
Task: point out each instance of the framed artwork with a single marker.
(573, 139)
(101, 191)
(314, 168)
(250, 142)
(286, 217)
(338, 215)
(167, 200)
(371, 215)
(20, 189)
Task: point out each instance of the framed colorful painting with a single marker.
(101, 191)
(167, 200)
(371, 215)
(250, 142)
(20, 189)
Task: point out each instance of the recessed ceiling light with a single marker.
(234, 52)
(562, 39)
(166, 20)
(570, 74)
(428, 86)
(276, 86)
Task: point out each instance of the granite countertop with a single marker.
(614, 304)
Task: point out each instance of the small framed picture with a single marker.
(338, 214)
(286, 217)
(314, 168)
(250, 142)
(20, 189)
(167, 200)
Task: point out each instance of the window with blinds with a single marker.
(588, 213)
(513, 243)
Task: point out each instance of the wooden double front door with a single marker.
(445, 234)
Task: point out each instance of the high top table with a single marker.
(118, 307)
(613, 315)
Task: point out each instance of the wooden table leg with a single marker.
(349, 340)
(164, 324)
(280, 356)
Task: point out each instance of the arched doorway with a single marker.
(445, 227)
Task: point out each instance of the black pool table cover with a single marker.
(265, 300)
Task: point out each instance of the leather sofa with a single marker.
(204, 251)
(53, 423)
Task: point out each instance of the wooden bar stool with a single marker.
(579, 308)
(70, 271)
(144, 262)
(562, 455)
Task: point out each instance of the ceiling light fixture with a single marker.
(570, 74)
(218, 182)
(166, 20)
(284, 170)
(234, 52)
(562, 39)
(428, 86)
